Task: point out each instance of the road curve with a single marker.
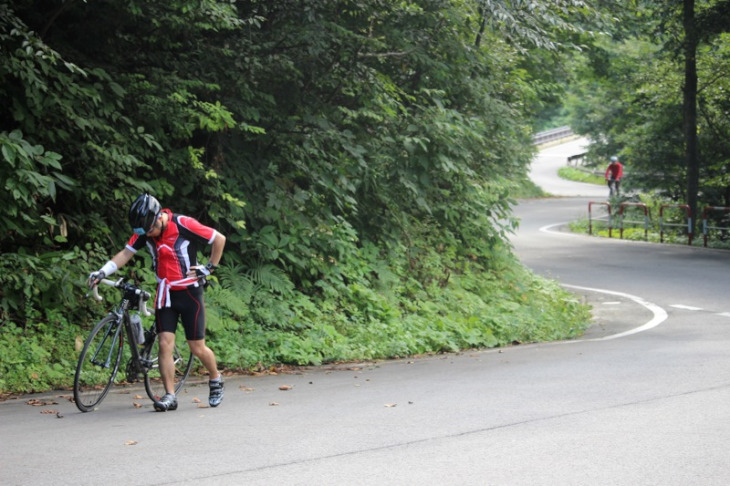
(648, 408)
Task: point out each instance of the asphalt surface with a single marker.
(640, 399)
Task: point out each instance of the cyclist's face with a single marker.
(156, 229)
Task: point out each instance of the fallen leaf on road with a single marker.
(137, 405)
(196, 400)
(138, 397)
(391, 405)
(285, 387)
(273, 404)
(245, 388)
(131, 442)
(40, 403)
(202, 405)
(49, 411)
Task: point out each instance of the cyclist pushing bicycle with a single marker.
(174, 240)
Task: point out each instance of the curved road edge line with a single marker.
(548, 228)
(660, 315)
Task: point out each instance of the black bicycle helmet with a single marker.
(143, 213)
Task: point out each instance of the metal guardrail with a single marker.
(622, 217)
(663, 224)
(705, 224)
(551, 135)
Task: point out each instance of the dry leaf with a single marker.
(49, 411)
(391, 405)
(196, 400)
(138, 397)
(245, 388)
(137, 405)
(40, 403)
(202, 405)
(273, 404)
(285, 387)
(131, 442)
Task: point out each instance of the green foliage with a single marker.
(38, 359)
(578, 175)
(358, 156)
(629, 98)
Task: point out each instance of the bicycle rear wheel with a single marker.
(98, 363)
(183, 359)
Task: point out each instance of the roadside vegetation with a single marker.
(359, 156)
(581, 175)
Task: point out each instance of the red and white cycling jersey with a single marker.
(176, 250)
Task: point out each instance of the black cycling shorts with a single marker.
(185, 305)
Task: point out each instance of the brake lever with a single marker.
(143, 298)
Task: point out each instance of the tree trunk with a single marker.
(690, 108)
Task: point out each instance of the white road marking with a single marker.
(660, 315)
(724, 314)
(549, 229)
(686, 307)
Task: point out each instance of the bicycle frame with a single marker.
(103, 352)
(121, 312)
(112, 333)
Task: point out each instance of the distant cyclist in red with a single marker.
(174, 240)
(614, 173)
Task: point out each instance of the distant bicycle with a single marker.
(101, 356)
(613, 187)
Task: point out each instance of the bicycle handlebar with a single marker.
(143, 296)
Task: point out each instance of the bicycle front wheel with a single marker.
(98, 363)
(183, 362)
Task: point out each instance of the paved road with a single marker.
(640, 400)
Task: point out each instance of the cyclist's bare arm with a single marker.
(123, 257)
(216, 253)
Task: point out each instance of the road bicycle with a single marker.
(103, 351)
(613, 187)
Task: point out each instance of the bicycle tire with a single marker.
(183, 359)
(98, 363)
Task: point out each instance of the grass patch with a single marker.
(581, 175)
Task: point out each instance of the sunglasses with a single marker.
(142, 231)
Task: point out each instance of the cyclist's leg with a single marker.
(193, 319)
(166, 362)
(194, 323)
(166, 323)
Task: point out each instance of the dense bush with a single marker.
(357, 155)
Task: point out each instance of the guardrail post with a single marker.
(623, 205)
(705, 226)
(590, 217)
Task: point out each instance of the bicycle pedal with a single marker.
(147, 363)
